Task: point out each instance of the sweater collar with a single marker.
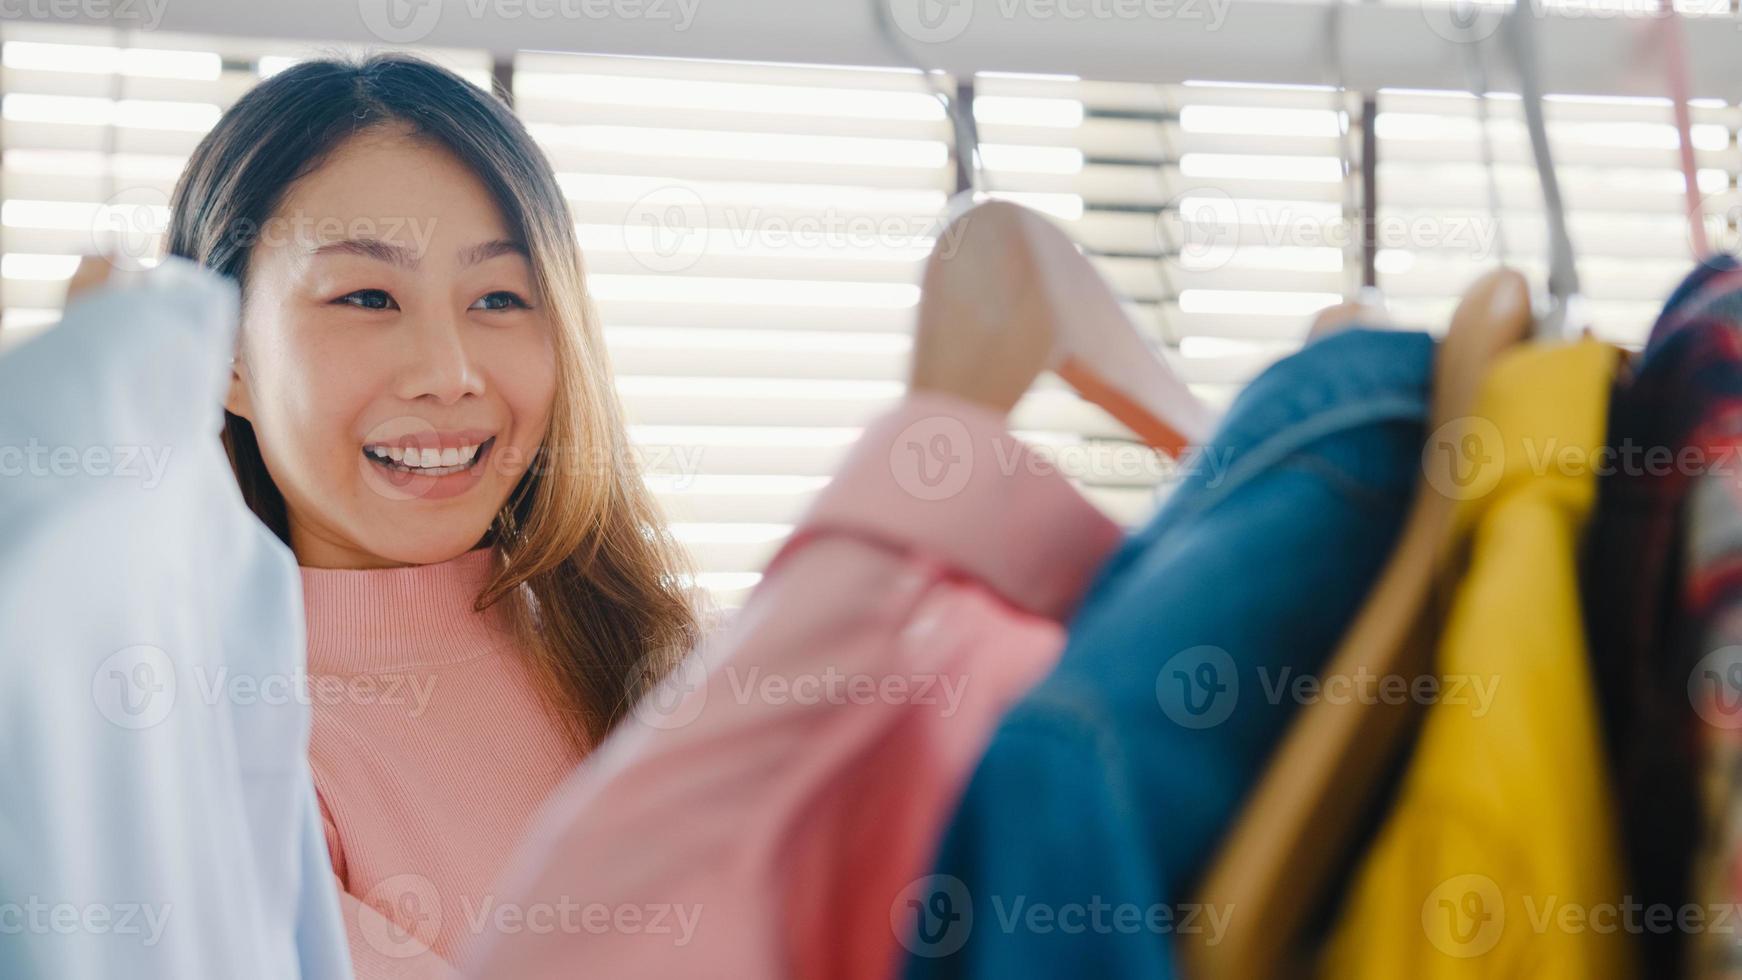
(363, 620)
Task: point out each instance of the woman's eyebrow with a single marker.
(369, 248)
(483, 251)
(401, 255)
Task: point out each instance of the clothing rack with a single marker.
(1416, 45)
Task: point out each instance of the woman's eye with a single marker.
(368, 299)
(501, 300)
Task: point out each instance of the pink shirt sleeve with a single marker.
(760, 815)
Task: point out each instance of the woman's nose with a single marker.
(440, 366)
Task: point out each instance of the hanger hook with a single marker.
(1564, 312)
(1477, 64)
(1340, 102)
(965, 134)
(1364, 292)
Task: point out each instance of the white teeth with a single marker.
(426, 458)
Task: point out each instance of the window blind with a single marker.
(1620, 179)
(95, 126)
(754, 233)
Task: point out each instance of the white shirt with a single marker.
(157, 818)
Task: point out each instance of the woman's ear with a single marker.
(236, 400)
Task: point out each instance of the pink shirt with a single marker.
(431, 752)
(764, 818)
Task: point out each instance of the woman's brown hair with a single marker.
(594, 580)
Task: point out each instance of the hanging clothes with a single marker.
(764, 812)
(1104, 791)
(159, 817)
(1712, 289)
(1712, 605)
(1499, 855)
(1680, 396)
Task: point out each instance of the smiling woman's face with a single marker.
(396, 363)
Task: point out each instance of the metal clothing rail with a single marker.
(1604, 49)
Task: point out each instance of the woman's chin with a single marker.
(424, 548)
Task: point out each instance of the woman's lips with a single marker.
(430, 483)
(427, 459)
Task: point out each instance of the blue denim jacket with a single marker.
(1104, 792)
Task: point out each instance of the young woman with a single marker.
(421, 408)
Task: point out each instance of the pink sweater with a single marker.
(431, 751)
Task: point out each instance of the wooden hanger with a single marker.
(1003, 276)
(994, 252)
(1368, 307)
(1276, 866)
(1294, 832)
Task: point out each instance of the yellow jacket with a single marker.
(1500, 857)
